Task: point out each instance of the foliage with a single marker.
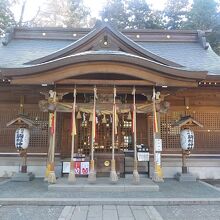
(175, 13)
(65, 13)
(134, 14)
(6, 16)
(115, 12)
(203, 15)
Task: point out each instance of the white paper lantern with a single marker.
(187, 139)
(22, 137)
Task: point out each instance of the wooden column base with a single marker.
(92, 173)
(52, 175)
(72, 176)
(113, 174)
(158, 175)
(24, 169)
(136, 177)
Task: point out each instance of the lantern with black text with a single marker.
(22, 138)
(187, 139)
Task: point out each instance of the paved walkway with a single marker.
(171, 192)
(169, 189)
(110, 212)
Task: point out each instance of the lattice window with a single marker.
(38, 135)
(84, 134)
(207, 139)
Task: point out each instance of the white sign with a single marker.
(143, 156)
(66, 167)
(158, 144)
(81, 168)
(84, 168)
(158, 159)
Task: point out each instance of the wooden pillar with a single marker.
(113, 174)
(51, 175)
(92, 173)
(157, 175)
(50, 172)
(72, 177)
(136, 177)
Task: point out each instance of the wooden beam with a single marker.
(104, 89)
(104, 82)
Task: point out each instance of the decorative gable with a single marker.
(104, 38)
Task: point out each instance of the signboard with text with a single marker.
(81, 168)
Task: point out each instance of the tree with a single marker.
(67, 13)
(203, 15)
(77, 13)
(6, 16)
(214, 39)
(134, 14)
(141, 16)
(115, 12)
(175, 13)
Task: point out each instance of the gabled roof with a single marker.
(21, 120)
(33, 50)
(187, 121)
(93, 36)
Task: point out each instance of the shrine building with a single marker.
(95, 95)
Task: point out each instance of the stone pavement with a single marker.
(110, 212)
(171, 192)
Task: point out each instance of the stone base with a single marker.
(22, 177)
(104, 185)
(185, 177)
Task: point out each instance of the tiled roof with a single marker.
(20, 51)
(191, 55)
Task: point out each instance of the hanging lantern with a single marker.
(129, 116)
(22, 138)
(187, 139)
(104, 121)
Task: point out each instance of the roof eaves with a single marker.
(92, 34)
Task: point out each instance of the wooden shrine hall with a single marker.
(98, 96)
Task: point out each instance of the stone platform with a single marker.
(103, 184)
(185, 177)
(22, 177)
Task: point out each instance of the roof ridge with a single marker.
(98, 30)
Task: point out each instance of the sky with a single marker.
(94, 5)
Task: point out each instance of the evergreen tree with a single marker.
(116, 13)
(6, 16)
(134, 14)
(175, 13)
(141, 16)
(65, 13)
(203, 15)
